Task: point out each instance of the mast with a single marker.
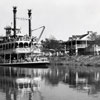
(29, 20)
(14, 15)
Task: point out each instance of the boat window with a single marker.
(0, 46)
(16, 45)
(30, 85)
(16, 85)
(25, 45)
(9, 46)
(4, 47)
(29, 44)
(20, 85)
(21, 45)
(17, 38)
(12, 45)
(20, 38)
(25, 85)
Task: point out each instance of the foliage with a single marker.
(51, 44)
(94, 38)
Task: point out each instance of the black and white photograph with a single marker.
(50, 50)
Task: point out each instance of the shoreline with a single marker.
(86, 64)
(89, 61)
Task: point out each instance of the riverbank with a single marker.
(82, 63)
(82, 60)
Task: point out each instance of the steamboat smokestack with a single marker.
(29, 20)
(14, 15)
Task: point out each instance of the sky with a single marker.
(62, 18)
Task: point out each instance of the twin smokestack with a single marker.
(29, 20)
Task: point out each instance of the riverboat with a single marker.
(21, 50)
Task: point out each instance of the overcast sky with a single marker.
(62, 18)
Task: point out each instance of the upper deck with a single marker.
(20, 44)
(14, 43)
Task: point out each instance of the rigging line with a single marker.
(38, 28)
(40, 33)
(22, 18)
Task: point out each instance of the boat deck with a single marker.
(37, 64)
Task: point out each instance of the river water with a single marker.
(48, 84)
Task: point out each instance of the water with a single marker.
(48, 84)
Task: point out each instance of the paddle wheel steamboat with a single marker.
(21, 50)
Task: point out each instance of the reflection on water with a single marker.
(48, 84)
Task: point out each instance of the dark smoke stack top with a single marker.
(14, 15)
(29, 15)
